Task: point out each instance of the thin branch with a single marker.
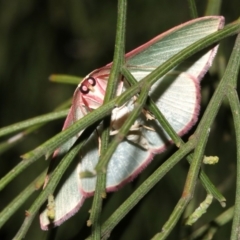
(193, 8)
(113, 83)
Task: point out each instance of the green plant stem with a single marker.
(193, 8)
(112, 86)
(33, 121)
(59, 78)
(31, 125)
(213, 7)
(231, 75)
(235, 108)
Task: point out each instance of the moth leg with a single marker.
(148, 114)
(135, 135)
(145, 112)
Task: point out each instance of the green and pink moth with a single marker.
(177, 95)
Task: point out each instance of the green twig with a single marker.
(113, 82)
(33, 121)
(213, 7)
(65, 79)
(230, 77)
(193, 8)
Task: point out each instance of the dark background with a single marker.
(39, 38)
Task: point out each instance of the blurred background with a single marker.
(40, 38)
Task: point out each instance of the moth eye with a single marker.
(84, 89)
(87, 85)
(91, 81)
